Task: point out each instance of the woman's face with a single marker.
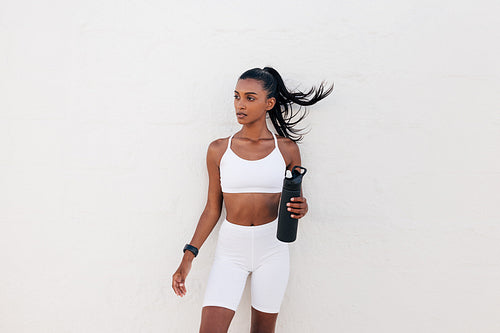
(251, 102)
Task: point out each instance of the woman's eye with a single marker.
(236, 96)
(251, 98)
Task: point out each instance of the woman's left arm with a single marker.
(298, 205)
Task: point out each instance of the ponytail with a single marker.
(282, 115)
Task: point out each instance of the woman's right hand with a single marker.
(179, 278)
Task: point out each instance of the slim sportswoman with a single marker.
(246, 171)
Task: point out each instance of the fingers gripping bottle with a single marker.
(287, 226)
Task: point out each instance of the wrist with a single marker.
(190, 250)
(188, 256)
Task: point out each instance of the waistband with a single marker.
(264, 226)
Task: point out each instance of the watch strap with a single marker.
(191, 248)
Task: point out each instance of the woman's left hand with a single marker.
(297, 207)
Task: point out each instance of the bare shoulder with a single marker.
(287, 145)
(289, 149)
(218, 144)
(217, 148)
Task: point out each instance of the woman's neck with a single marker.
(255, 133)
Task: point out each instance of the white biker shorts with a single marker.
(242, 250)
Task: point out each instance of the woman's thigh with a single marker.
(225, 285)
(270, 280)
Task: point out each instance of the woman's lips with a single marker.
(240, 115)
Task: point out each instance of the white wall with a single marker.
(106, 112)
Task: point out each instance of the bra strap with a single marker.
(275, 141)
(229, 141)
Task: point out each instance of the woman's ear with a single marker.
(270, 103)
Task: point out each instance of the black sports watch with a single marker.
(190, 248)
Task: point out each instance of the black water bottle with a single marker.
(287, 226)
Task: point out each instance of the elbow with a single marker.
(212, 211)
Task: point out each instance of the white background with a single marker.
(107, 109)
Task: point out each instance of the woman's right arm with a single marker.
(208, 218)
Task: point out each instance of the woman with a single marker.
(246, 170)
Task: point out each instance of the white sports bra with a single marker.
(264, 175)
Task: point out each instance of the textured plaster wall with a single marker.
(106, 112)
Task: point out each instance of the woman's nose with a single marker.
(240, 104)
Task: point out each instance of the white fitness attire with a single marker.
(242, 250)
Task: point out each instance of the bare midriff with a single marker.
(251, 209)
